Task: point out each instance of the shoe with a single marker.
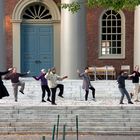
(15, 100)
(43, 100)
(121, 103)
(94, 99)
(54, 104)
(21, 91)
(61, 96)
(131, 95)
(136, 101)
(48, 100)
(130, 102)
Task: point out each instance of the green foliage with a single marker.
(114, 4)
(73, 7)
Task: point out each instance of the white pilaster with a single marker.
(2, 37)
(73, 40)
(137, 36)
(16, 44)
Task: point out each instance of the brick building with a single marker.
(39, 34)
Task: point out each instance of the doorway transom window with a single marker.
(36, 11)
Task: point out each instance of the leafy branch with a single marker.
(114, 4)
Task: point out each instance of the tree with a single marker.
(114, 4)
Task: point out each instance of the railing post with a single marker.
(77, 126)
(106, 72)
(43, 137)
(53, 134)
(64, 131)
(94, 72)
(57, 129)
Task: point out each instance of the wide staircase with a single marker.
(30, 116)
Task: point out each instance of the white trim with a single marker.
(54, 11)
(17, 20)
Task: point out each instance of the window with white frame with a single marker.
(112, 35)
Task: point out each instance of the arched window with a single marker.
(36, 11)
(112, 35)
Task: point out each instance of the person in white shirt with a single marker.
(52, 78)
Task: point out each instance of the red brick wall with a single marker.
(9, 7)
(93, 18)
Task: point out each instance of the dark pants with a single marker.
(45, 88)
(61, 87)
(124, 92)
(87, 92)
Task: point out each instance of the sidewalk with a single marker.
(83, 137)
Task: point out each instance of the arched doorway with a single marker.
(36, 27)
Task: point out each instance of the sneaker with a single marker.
(48, 100)
(21, 91)
(130, 102)
(94, 99)
(54, 104)
(61, 96)
(43, 100)
(15, 100)
(131, 95)
(121, 103)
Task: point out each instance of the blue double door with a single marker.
(36, 48)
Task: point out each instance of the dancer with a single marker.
(135, 80)
(86, 83)
(14, 76)
(53, 85)
(3, 90)
(44, 85)
(121, 85)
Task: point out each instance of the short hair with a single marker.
(122, 71)
(86, 68)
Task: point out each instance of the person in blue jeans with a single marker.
(121, 85)
(44, 85)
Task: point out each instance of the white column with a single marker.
(2, 37)
(137, 36)
(73, 40)
(16, 44)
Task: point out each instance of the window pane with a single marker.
(108, 37)
(118, 43)
(103, 37)
(108, 30)
(119, 30)
(118, 23)
(114, 30)
(118, 50)
(103, 23)
(103, 30)
(113, 37)
(118, 37)
(113, 50)
(108, 23)
(114, 43)
(114, 23)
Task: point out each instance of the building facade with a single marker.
(38, 34)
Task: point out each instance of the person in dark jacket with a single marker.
(14, 76)
(121, 85)
(86, 83)
(3, 90)
(44, 85)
